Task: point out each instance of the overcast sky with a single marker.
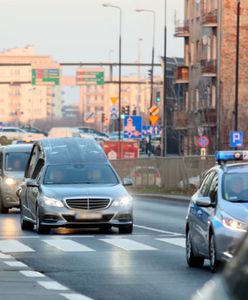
(73, 30)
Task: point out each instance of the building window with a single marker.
(192, 53)
(213, 96)
(214, 47)
(209, 48)
(197, 99)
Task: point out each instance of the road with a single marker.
(149, 264)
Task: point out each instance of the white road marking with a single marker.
(174, 241)
(52, 285)
(128, 244)
(32, 274)
(14, 246)
(75, 297)
(15, 264)
(157, 230)
(5, 256)
(68, 245)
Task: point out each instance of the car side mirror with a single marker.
(32, 183)
(203, 201)
(127, 181)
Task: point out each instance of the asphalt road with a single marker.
(149, 264)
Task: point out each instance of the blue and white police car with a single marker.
(218, 212)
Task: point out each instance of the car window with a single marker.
(235, 186)
(206, 183)
(213, 190)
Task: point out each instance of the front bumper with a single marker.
(66, 217)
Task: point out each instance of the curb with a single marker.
(167, 197)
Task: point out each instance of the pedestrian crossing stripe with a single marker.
(68, 245)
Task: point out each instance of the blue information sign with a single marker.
(236, 139)
(132, 127)
(149, 130)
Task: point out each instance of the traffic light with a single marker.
(103, 117)
(134, 112)
(123, 110)
(150, 73)
(127, 110)
(158, 98)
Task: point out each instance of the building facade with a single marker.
(208, 73)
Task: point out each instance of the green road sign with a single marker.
(45, 76)
(88, 77)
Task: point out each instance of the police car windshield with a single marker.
(80, 174)
(235, 187)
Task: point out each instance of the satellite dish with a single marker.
(205, 40)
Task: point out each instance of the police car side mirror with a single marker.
(127, 181)
(203, 201)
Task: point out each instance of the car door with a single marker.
(200, 215)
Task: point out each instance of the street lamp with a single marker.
(153, 45)
(119, 115)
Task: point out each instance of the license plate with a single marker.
(88, 216)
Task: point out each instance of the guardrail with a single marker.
(168, 173)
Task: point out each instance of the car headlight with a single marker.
(232, 223)
(53, 202)
(124, 201)
(9, 181)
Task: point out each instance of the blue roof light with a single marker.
(231, 155)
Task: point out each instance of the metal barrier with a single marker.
(168, 173)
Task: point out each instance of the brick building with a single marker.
(208, 72)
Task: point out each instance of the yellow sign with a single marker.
(114, 100)
(153, 119)
(154, 110)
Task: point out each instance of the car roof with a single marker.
(72, 150)
(16, 148)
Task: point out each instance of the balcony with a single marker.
(182, 29)
(182, 74)
(209, 68)
(210, 19)
(180, 119)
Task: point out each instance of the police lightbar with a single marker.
(223, 156)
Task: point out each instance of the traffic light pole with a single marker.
(164, 137)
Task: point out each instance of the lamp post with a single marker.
(164, 137)
(120, 26)
(236, 103)
(153, 45)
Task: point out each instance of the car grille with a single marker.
(88, 203)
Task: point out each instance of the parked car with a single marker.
(69, 182)
(34, 130)
(13, 160)
(60, 132)
(87, 131)
(218, 212)
(114, 136)
(9, 134)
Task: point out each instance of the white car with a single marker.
(60, 132)
(8, 134)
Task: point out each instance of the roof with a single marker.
(72, 150)
(17, 148)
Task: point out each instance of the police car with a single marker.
(218, 212)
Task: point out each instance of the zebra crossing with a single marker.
(90, 244)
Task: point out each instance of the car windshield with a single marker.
(16, 162)
(80, 174)
(235, 187)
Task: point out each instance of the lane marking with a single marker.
(32, 274)
(128, 244)
(22, 237)
(68, 245)
(157, 230)
(14, 246)
(15, 264)
(75, 297)
(5, 256)
(52, 285)
(174, 241)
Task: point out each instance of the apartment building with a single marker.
(209, 31)
(20, 101)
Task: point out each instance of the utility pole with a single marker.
(236, 103)
(164, 137)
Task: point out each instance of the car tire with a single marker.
(214, 262)
(25, 225)
(41, 229)
(3, 140)
(3, 209)
(193, 261)
(126, 229)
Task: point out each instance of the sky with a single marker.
(83, 30)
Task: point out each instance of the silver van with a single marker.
(13, 160)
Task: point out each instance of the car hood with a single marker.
(84, 190)
(236, 210)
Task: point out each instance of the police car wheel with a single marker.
(214, 262)
(192, 260)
